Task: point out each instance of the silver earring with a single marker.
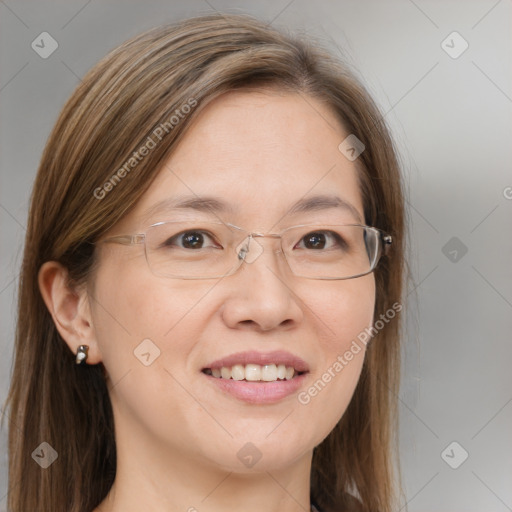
(81, 354)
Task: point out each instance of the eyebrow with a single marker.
(216, 205)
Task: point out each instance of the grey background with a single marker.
(452, 122)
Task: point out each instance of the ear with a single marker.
(70, 309)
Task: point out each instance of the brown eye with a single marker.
(189, 240)
(321, 239)
(314, 241)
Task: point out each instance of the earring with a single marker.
(81, 354)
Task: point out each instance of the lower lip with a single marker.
(258, 392)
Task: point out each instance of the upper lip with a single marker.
(262, 358)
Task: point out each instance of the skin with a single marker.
(177, 435)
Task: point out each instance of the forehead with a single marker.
(260, 153)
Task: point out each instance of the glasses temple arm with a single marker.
(125, 239)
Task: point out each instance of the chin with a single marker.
(249, 457)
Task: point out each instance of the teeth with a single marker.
(254, 372)
(238, 372)
(269, 372)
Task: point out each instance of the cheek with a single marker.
(130, 307)
(344, 312)
(146, 329)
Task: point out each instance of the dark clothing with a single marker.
(351, 504)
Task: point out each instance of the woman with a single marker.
(215, 236)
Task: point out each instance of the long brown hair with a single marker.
(139, 86)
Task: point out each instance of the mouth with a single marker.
(256, 391)
(253, 372)
(257, 377)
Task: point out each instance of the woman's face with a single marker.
(259, 153)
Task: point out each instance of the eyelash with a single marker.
(334, 235)
(178, 235)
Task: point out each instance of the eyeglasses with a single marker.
(206, 250)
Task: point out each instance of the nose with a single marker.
(260, 293)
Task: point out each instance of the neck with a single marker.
(156, 478)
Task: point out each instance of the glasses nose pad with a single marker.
(249, 250)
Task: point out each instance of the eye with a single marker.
(192, 239)
(323, 240)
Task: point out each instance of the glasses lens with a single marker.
(195, 250)
(331, 251)
(191, 249)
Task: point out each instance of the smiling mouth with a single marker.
(254, 372)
